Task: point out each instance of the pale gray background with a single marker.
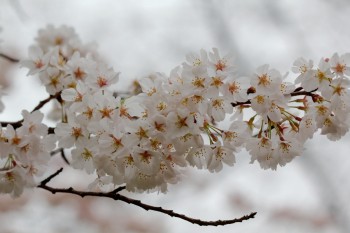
(137, 37)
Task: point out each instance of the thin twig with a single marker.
(308, 93)
(41, 104)
(15, 125)
(296, 92)
(45, 101)
(298, 89)
(63, 154)
(54, 152)
(11, 59)
(182, 216)
(48, 179)
(116, 196)
(240, 103)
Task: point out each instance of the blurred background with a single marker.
(311, 194)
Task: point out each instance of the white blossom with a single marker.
(173, 121)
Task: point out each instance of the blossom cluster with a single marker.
(25, 153)
(172, 121)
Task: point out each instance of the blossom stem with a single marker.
(215, 129)
(261, 129)
(291, 122)
(269, 128)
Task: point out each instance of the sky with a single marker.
(139, 37)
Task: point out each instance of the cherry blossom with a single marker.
(38, 60)
(145, 138)
(220, 154)
(340, 65)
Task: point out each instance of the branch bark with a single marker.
(63, 154)
(41, 104)
(11, 59)
(118, 197)
(296, 92)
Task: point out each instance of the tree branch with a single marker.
(240, 103)
(9, 58)
(41, 104)
(63, 154)
(116, 196)
(15, 125)
(308, 93)
(45, 101)
(182, 216)
(48, 179)
(298, 91)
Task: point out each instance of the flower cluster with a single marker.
(24, 153)
(175, 120)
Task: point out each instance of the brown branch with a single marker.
(308, 93)
(116, 196)
(15, 125)
(182, 216)
(63, 154)
(240, 103)
(51, 130)
(41, 104)
(11, 59)
(296, 92)
(45, 101)
(54, 152)
(47, 180)
(298, 89)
